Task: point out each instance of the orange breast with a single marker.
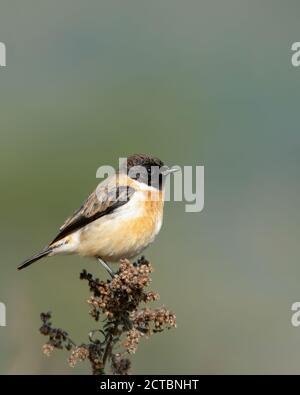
(125, 233)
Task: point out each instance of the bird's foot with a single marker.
(107, 267)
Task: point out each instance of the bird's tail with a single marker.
(46, 251)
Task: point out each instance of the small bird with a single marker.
(119, 219)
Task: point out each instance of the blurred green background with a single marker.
(195, 83)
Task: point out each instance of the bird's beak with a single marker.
(168, 170)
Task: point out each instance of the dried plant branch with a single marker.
(117, 302)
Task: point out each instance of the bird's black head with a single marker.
(143, 160)
(146, 169)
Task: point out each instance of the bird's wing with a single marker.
(107, 197)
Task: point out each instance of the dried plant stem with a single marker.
(118, 300)
(108, 347)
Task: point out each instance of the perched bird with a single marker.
(119, 219)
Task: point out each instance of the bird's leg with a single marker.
(106, 266)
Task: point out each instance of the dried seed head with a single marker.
(47, 349)
(120, 365)
(132, 340)
(117, 302)
(78, 354)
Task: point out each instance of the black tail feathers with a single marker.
(35, 258)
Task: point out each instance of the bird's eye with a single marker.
(149, 170)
